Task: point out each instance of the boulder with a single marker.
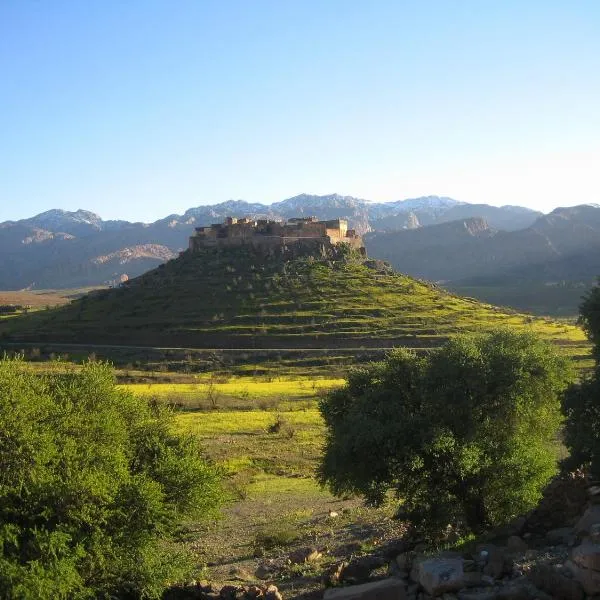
(561, 536)
(386, 589)
(550, 580)
(586, 559)
(440, 575)
(590, 517)
(516, 545)
(494, 559)
(359, 569)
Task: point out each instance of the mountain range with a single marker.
(544, 267)
(60, 249)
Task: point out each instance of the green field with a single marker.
(269, 450)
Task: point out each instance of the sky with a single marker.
(140, 109)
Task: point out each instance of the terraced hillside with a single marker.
(237, 298)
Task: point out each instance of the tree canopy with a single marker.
(464, 435)
(582, 401)
(93, 484)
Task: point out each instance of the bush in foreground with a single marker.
(464, 435)
(93, 484)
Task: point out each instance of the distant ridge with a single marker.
(545, 267)
(61, 249)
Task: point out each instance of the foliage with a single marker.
(589, 317)
(93, 485)
(464, 435)
(582, 402)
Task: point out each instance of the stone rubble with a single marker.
(561, 562)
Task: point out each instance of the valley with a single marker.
(243, 344)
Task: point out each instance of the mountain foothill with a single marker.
(507, 255)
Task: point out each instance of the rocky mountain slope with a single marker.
(559, 252)
(60, 249)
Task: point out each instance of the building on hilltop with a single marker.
(305, 232)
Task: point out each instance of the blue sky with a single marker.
(144, 108)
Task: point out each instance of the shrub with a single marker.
(93, 484)
(464, 435)
(582, 402)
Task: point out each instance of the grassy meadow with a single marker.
(267, 437)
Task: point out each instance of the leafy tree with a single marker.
(589, 317)
(582, 401)
(93, 484)
(464, 435)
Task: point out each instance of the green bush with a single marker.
(93, 485)
(582, 402)
(464, 435)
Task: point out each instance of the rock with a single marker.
(513, 591)
(594, 494)
(589, 518)
(472, 579)
(439, 575)
(495, 561)
(333, 575)
(550, 580)
(386, 589)
(303, 555)
(333, 514)
(587, 555)
(516, 545)
(359, 569)
(514, 527)
(272, 593)
(562, 535)
(254, 592)
(479, 594)
(404, 561)
(586, 559)
(228, 592)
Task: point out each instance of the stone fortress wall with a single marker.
(274, 234)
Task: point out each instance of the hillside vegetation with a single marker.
(237, 298)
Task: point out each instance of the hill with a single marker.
(544, 268)
(239, 298)
(61, 249)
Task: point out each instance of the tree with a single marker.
(582, 401)
(464, 435)
(93, 484)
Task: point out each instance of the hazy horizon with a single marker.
(139, 110)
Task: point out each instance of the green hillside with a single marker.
(238, 298)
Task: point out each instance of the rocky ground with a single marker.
(553, 552)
